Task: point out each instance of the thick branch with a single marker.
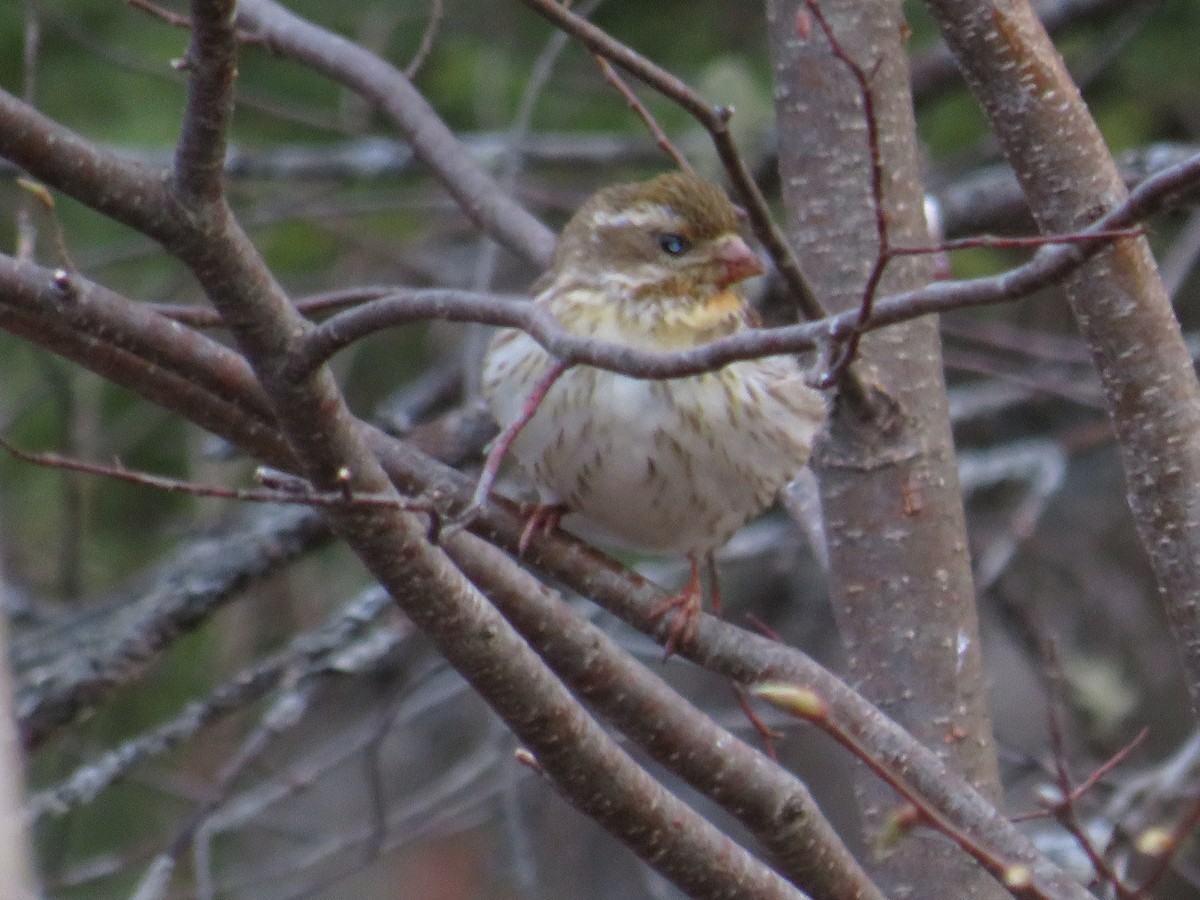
(935, 71)
(1119, 301)
(64, 676)
(773, 805)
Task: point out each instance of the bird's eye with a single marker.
(674, 244)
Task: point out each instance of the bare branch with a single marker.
(63, 676)
(476, 192)
(639, 108)
(175, 367)
(212, 61)
(773, 805)
(1048, 266)
(1119, 300)
(428, 36)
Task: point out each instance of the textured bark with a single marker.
(1119, 301)
(901, 578)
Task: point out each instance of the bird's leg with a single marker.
(714, 584)
(690, 603)
(543, 518)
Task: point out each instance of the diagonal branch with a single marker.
(481, 199)
(1119, 301)
(776, 807)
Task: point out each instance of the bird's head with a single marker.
(672, 236)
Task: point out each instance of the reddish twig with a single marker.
(179, 21)
(301, 494)
(1090, 782)
(841, 365)
(504, 440)
(157, 11)
(806, 704)
(1064, 809)
(660, 136)
(768, 734)
(885, 250)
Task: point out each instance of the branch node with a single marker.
(342, 478)
(65, 284)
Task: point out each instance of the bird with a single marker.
(670, 467)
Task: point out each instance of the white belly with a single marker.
(666, 466)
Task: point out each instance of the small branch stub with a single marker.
(801, 702)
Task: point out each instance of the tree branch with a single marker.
(212, 61)
(1118, 299)
(719, 646)
(480, 198)
(1048, 266)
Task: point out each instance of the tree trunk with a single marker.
(901, 580)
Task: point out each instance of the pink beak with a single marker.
(737, 260)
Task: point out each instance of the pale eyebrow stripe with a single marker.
(638, 216)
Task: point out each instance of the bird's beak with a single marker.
(736, 259)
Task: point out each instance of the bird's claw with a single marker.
(686, 622)
(543, 518)
(690, 603)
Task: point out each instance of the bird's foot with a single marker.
(690, 603)
(543, 519)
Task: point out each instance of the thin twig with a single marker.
(425, 47)
(1092, 780)
(840, 366)
(1064, 809)
(806, 704)
(171, 18)
(660, 136)
(504, 440)
(287, 35)
(197, 316)
(306, 497)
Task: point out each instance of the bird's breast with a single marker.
(664, 323)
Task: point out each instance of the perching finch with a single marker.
(673, 466)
